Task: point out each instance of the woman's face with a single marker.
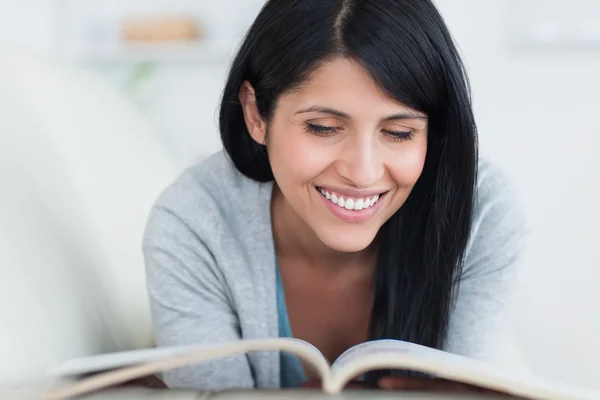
(344, 155)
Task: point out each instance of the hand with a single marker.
(435, 385)
(413, 384)
(150, 381)
(316, 384)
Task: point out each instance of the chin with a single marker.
(349, 243)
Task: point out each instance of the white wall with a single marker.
(537, 114)
(35, 31)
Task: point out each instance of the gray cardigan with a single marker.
(210, 265)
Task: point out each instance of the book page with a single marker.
(108, 361)
(153, 361)
(373, 348)
(393, 354)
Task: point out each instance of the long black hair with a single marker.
(408, 51)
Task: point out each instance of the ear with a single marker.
(254, 122)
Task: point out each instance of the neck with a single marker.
(294, 239)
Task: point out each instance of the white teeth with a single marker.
(360, 204)
(350, 204)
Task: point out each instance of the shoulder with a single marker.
(213, 182)
(494, 184)
(499, 226)
(489, 280)
(206, 198)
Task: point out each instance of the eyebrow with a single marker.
(327, 110)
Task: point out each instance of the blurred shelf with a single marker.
(199, 51)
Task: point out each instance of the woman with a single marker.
(349, 203)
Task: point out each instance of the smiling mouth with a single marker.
(350, 203)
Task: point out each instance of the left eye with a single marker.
(321, 129)
(400, 135)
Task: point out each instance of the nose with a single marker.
(359, 162)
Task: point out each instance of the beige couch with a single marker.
(79, 170)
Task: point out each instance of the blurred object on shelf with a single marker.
(160, 29)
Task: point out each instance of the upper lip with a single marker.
(359, 194)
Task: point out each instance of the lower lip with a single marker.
(352, 215)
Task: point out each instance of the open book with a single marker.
(117, 368)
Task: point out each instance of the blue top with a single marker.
(291, 371)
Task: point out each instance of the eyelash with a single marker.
(321, 130)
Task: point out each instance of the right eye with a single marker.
(321, 130)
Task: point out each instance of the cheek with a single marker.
(294, 157)
(408, 166)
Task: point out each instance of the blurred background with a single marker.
(104, 102)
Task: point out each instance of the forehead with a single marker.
(344, 84)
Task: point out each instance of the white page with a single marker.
(384, 346)
(403, 350)
(179, 357)
(109, 361)
(372, 355)
(103, 362)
